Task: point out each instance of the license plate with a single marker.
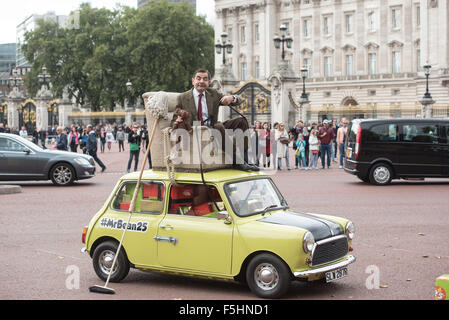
(349, 153)
(336, 274)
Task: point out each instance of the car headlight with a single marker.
(82, 161)
(308, 242)
(349, 230)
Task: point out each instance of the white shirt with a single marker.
(204, 110)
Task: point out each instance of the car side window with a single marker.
(417, 132)
(195, 200)
(150, 197)
(382, 132)
(10, 145)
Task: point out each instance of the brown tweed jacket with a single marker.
(186, 101)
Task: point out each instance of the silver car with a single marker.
(22, 160)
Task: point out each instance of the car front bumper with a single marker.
(85, 172)
(321, 270)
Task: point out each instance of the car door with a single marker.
(420, 150)
(444, 144)
(139, 243)
(18, 160)
(195, 243)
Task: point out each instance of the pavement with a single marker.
(400, 242)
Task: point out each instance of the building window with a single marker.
(372, 22)
(307, 28)
(242, 34)
(256, 32)
(396, 62)
(327, 66)
(372, 63)
(396, 92)
(230, 34)
(257, 67)
(349, 23)
(326, 26)
(349, 65)
(243, 70)
(396, 18)
(306, 63)
(418, 59)
(418, 16)
(371, 92)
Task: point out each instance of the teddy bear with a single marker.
(182, 123)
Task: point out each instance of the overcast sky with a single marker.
(13, 12)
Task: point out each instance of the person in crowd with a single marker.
(300, 153)
(264, 144)
(73, 139)
(314, 147)
(326, 136)
(102, 136)
(282, 139)
(341, 138)
(61, 139)
(23, 132)
(109, 138)
(134, 141)
(120, 139)
(83, 140)
(92, 146)
(43, 137)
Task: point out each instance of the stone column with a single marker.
(14, 100)
(65, 109)
(224, 81)
(283, 81)
(43, 98)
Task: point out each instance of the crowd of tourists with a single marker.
(313, 144)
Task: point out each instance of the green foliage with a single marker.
(157, 47)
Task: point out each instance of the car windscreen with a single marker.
(254, 196)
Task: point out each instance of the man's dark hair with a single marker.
(202, 71)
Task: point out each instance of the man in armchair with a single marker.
(202, 104)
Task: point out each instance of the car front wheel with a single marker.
(268, 277)
(62, 174)
(103, 258)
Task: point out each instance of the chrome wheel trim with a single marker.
(381, 174)
(62, 174)
(105, 261)
(266, 276)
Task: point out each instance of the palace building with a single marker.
(364, 58)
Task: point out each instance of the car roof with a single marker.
(400, 120)
(215, 176)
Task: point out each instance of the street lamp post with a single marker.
(44, 77)
(427, 100)
(15, 81)
(224, 46)
(304, 95)
(427, 73)
(284, 38)
(129, 87)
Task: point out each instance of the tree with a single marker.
(157, 47)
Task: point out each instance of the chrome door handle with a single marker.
(172, 240)
(167, 227)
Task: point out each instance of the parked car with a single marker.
(22, 160)
(245, 231)
(378, 151)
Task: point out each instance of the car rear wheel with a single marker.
(103, 258)
(62, 174)
(268, 277)
(381, 174)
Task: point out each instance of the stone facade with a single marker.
(365, 57)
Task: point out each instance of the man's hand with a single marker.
(227, 100)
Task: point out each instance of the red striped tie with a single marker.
(200, 108)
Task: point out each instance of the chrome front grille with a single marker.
(329, 250)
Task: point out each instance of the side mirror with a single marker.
(27, 151)
(224, 215)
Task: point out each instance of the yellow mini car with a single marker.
(233, 225)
